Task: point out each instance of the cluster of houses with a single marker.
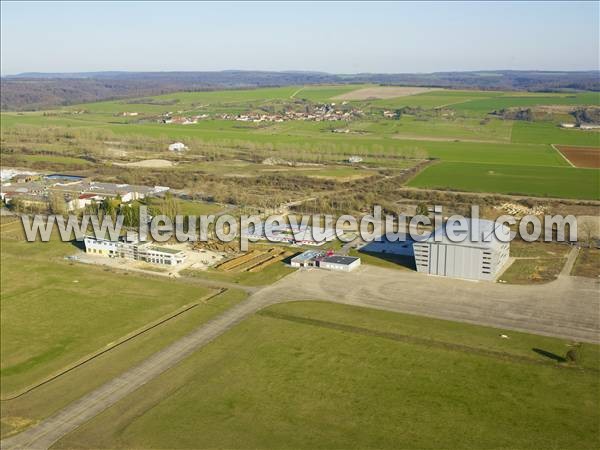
(183, 120)
(321, 113)
(78, 192)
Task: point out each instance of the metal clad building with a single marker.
(341, 263)
(480, 259)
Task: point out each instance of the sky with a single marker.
(335, 37)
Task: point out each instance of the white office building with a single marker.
(134, 250)
(478, 251)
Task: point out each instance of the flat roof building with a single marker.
(134, 250)
(306, 259)
(300, 235)
(341, 263)
(475, 252)
(313, 258)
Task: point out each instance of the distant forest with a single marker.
(33, 91)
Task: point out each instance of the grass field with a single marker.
(522, 249)
(54, 313)
(536, 262)
(559, 182)
(43, 401)
(531, 271)
(317, 375)
(587, 263)
(548, 133)
(524, 101)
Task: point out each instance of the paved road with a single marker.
(568, 307)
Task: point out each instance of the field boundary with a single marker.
(122, 340)
(564, 157)
(297, 92)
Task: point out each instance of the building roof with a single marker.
(171, 251)
(62, 176)
(342, 260)
(486, 234)
(307, 256)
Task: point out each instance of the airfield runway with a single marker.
(568, 308)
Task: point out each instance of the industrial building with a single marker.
(301, 235)
(340, 263)
(325, 260)
(78, 192)
(481, 258)
(306, 259)
(403, 246)
(135, 250)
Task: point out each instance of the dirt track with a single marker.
(150, 163)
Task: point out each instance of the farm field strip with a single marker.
(563, 155)
(581, 157)
(558, 182)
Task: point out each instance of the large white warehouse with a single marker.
(456, 254)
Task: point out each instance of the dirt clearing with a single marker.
(383, 92)
(150, 163)
(581, 156)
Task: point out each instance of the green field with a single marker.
(527, 100)
(452, 126)
(567, 182)
(450, 129)
(548, 133)
(317, 375)
(54, 313)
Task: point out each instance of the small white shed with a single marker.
(177, 147)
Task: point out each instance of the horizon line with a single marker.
(117, 71)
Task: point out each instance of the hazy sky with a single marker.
(332, 37)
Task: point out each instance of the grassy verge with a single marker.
(536, 262)
(522, 249)
(266, 276)
(587, 263)
(318, 375)
(536, 270)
